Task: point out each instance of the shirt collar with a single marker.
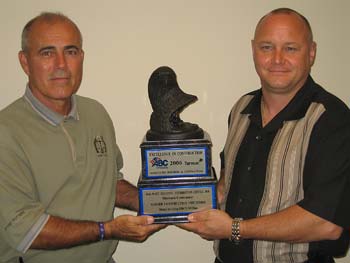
(295, 109)
(49, 115)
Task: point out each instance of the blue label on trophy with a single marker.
(176, 162)
(177, 178)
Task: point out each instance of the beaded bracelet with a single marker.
(101, 228)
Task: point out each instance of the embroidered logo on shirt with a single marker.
(100, 146)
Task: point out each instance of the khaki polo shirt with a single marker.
(55, 165)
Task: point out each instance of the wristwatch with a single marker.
(235, 230)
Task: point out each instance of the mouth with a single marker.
(278, 70)
(60, 80)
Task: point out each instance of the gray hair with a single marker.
(48, 17)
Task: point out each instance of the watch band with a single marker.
(235, 231)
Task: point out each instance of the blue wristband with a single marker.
(101, 228)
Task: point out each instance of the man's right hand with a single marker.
(131, 228)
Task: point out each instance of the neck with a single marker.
(271, 105)
(60, 106)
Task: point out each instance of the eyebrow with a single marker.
(46, 48)
(271, 42)
(71, 46)
(53, 47)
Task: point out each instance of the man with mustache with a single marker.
(60, 165)
(285, 165)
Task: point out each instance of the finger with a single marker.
(156, 227)
(161, 226)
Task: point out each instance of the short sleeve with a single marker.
(20, 212)
(119, 160)
(327, 171)
(342, 216)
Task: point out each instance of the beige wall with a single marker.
(208, 45)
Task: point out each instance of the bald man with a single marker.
(285, 164)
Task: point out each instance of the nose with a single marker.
(278, 56)
(61, 60)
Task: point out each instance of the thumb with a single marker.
(199, 216)
(195, 217)
(146, 220)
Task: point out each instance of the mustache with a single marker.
(60, 74)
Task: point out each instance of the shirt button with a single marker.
(240, 200)
(249, 168)
(258, 137)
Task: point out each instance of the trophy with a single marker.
(177, 177)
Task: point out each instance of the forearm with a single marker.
(62, 233)
(221, 187)
(293, 224)
(126, 196)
